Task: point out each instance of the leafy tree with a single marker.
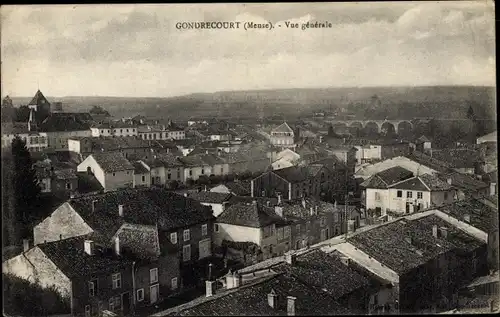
(9, 219)
(173, 185)
(470, 114)
(99, 110)
(22, 114)
(26, 190)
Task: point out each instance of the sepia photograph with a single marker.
(260, 159)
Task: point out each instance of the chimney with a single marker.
(344, 260)
(210, 288)
(443, 232)
(254, 202)
(185, 194)
(229, 280)
(449, 180)
(268, 203)
(94, 202)
(290, 305)
(206, 152)
(312, 211)
(467, 218)
(278, 210)
(206, 188)
(435, 231)
(303, 202)
(120, 210)
(290, 258)
(272, 299)
(251, 188)
(26, 245)
(117, 245)
(89, 247)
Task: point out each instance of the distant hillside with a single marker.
(400, 102)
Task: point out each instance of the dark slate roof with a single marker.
(38, 99)
(466, 182)
(63, 122)
(113, 143)
(248, 199)
(87, 183)
(165, 160)
(458, 158)
(112, 161)
(284, 127)
(251, 299)
(210, 197)
(240, 188)
(193, 161)
(293, 174)
(252, 214)
(411, 184)
(387, 178)
(325, 271)
(481, 215)
(65, 174)
(388, 244)
(424, 182)
(332, 163)
(69, 256)
(139, 168)
(146, 206)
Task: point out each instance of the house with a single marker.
(182, 226)
(174, 131)
(203, 165)
(142, 174)
(62, 126)
(282, 136)
(492, 179)
(260, 293)
(333, 275)
(35, 141)
(463, 160)
(112, 170)
(397, 191)
(89, 280)
(482, 216)
(346, 154)
(216, 201)
(490, 137)
(255, 223)
(116, 129)
(425, 257)
(422, 144)
(236, 188)
(292, 182)
(56, 179)
(152, 132)
(247, 160)
(165, 169)
(303, 154)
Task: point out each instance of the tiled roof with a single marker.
(139, 168)
(324, 271)
(112, 161)
(165, 160)
(423, 182)
(247, 199)
(69, 256)
(240, 188)
(63, 122)
(434, 182)
(332, 163)
(388, 244)
(466, 182)
(65, 174)
(141, 241)
(249, 215)
(284, 127)
(458, 158)
(113, 143)
(387, 178)
(481, 216)
(146, 206)
(252, 300)
(193, 161)
(210, 197)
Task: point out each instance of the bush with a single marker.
(189, 182)
(23, 298)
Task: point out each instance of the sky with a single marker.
(136, 50)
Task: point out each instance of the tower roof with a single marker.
(39, 99)
(284, 127)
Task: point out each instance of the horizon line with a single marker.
(256, 90)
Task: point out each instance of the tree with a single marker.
(26, 190)
(99, 110)
(470, 114)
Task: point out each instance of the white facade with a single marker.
(368, 153)
(176, 134)
(35, 141)
(108, 180)
(372, 169)
(114, 131)
(59, 140)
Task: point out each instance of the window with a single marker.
(400, 193)
(174, 283)
(204, 229)
(190, 173)
(186, 252)
(377, 196)
(186, 235)
(335, 217)
(153, 275)
(173, 237)
(280, 233)
(202, 171)
(297, 228)
(140, 295)
(322, 221)
(169, 176)
(114, 174)
(409, 194)
(127, 130)
(117, 280)
(419, 195)
(87, 311)
(68, 185)
(92, 286)
(216, 227)
(287, 232)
